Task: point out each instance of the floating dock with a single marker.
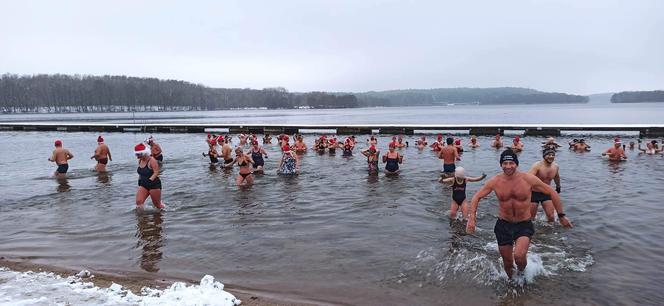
(650, 130)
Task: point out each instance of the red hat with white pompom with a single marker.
(141, 149)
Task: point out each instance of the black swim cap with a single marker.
(449, 140)
(548, 151)
(509, 155)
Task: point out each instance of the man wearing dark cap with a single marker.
(546, 170)
(514, 227)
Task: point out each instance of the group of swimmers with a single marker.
(519, 193)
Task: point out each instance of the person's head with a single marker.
(255, 143)
(424, 138)
(457, 142)
(517, 139)
(449, 140)
(617, 144)
(575, 140)
(400, 139)
(649, 145)
(220, 140)
(473, 139)
(392, 146)
(141, 151)
(394, 138)
(632, 144)
(150, 140)
(497, 136)
(549, 155)
(550, 140)
(509, 161)
(238, 151)
(58, 143)
(460, 172)
(440, 137)
(100, 139)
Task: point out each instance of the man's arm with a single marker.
(533, 170)
(539, 186)
(480, 194)
(69, 155)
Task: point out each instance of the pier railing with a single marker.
(649, 130)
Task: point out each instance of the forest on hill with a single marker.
(76, 93)
(638, 96)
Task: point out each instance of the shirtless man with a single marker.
(550, 143)
(581, 146)
(616, 153)
(497, 142)
(421, 143)
(473, 142)
(226, 153)
(60, 156)
(517, 145)
(449, 155)
(102, 155)
(513, 228)
(546, 170)
(155, 149)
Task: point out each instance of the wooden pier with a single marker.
(656, 130)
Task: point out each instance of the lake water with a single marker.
(609, 113)
(335, 234)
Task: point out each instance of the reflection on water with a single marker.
(104, 178)
(149, 231)
(63, 184)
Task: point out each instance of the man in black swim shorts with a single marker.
(513, 228)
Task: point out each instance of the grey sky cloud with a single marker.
(571, 46)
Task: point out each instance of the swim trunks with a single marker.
(63, 168)
(507, 233)
(449, 168)
(538, 197)
(103, 161)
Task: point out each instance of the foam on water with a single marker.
(45, 288)
(482, 265)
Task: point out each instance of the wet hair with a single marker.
(509, 155)
(449, 140)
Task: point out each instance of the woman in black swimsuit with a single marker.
(149, 184)
(245, 163)
(459, 191)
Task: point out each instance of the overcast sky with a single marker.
(575, 46)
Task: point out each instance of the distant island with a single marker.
(75, 93)
(638, 96)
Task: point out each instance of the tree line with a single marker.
(437, 96)
(76, 93)
(638, 96)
